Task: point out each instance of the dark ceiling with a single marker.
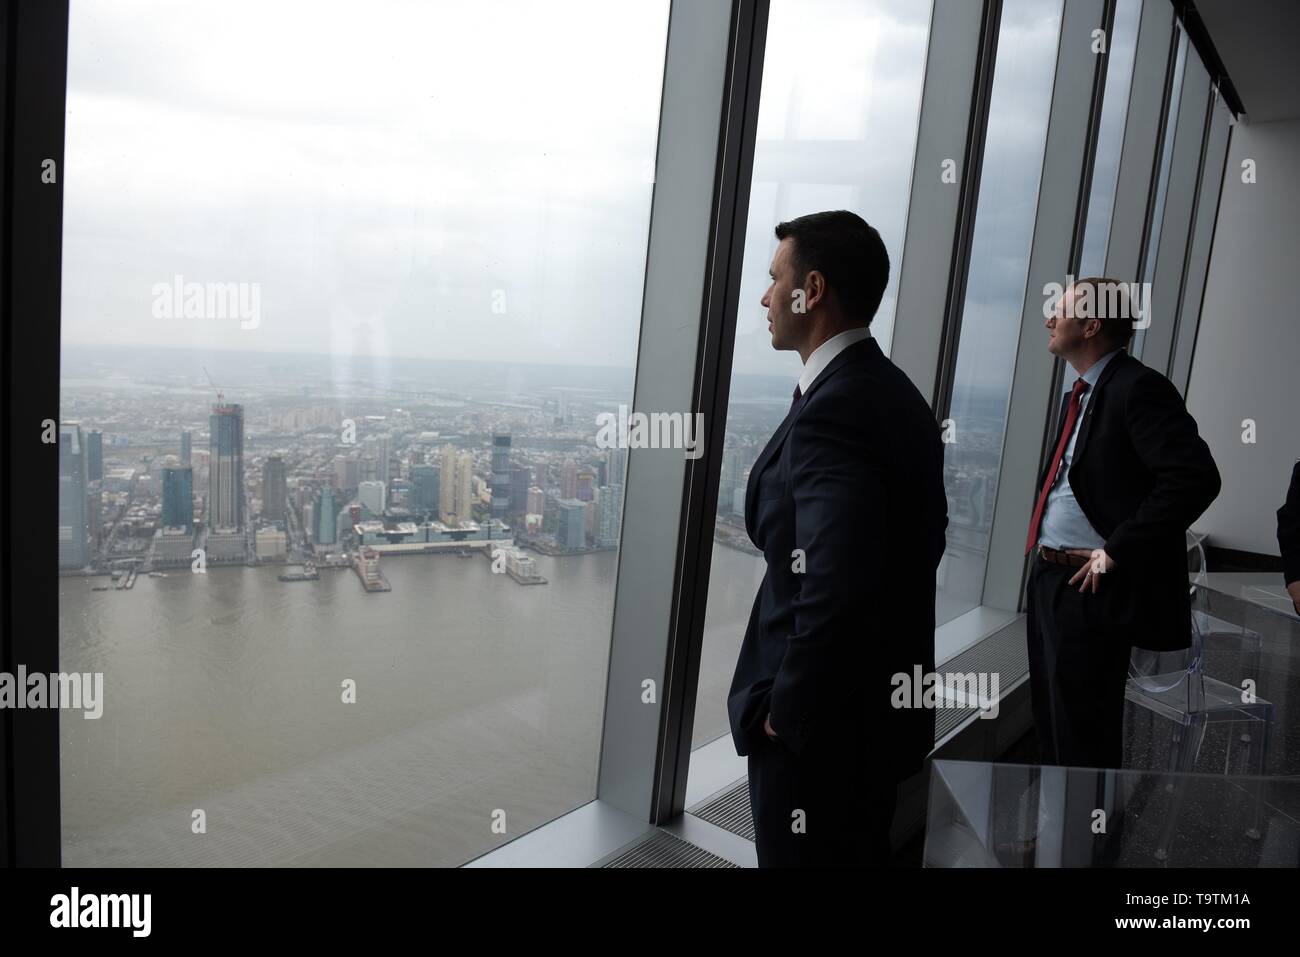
(1259, 44)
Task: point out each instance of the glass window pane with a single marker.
(1110, 136)
(995, 290)
(1162, 179)
(835, 131)
(345, 284)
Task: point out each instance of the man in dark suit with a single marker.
(847, 504)
(1127, 476)
(1288, 537)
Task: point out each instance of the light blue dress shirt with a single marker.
(1064, 524)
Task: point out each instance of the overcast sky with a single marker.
(384, 170)
(380, 169)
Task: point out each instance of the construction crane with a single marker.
(221, 396)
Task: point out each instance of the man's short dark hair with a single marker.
(1108, 301)
(845, 249)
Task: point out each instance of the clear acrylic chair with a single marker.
(1173, 684)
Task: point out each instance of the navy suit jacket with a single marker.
(1288, 529)
(847, 503)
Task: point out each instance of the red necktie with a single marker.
(797, 396)
(1067, 429)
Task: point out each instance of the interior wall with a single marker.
(1244, 389)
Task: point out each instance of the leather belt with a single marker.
(1055, 557)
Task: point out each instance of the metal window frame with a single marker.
(1214, 162)
(1139, 160)
(1176, 218)
(1081, 226)
(951, 124)
(704, 155)
(1055, 248)
(1112, 14)
(692, 287)
(946, 128)
(35, 44)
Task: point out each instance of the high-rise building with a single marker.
(501, 476)
(586, 487)
(273, 489)
(94, 455)
(94, 521)
(569, 480)
(368, 469)
(326, 515)
(615, 466)
(178, 497)
(186, 447)
(74, 548)
(456, 487)
(371, 497)
(611, 510)
(226, 467)
(424, 489)
(732, 460)
(572, 530)
(347, 474)
(521, 479)
(446, 493)
(382, 453)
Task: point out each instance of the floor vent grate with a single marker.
(729, 811)
(1002, 653)
(662, 849)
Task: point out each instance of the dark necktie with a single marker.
(1067, 429)
(797, 396)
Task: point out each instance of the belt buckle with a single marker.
(1057, 556)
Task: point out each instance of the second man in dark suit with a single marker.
(1127, 475)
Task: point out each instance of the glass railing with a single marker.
(1012, 815)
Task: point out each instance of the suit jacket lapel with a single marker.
(774, 443)
(1094, 394)
(865, 348)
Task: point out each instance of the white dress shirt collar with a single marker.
(821, 356)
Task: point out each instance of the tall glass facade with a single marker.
(836, 131)
(995, 291)
(329, 243)
(334, 519)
